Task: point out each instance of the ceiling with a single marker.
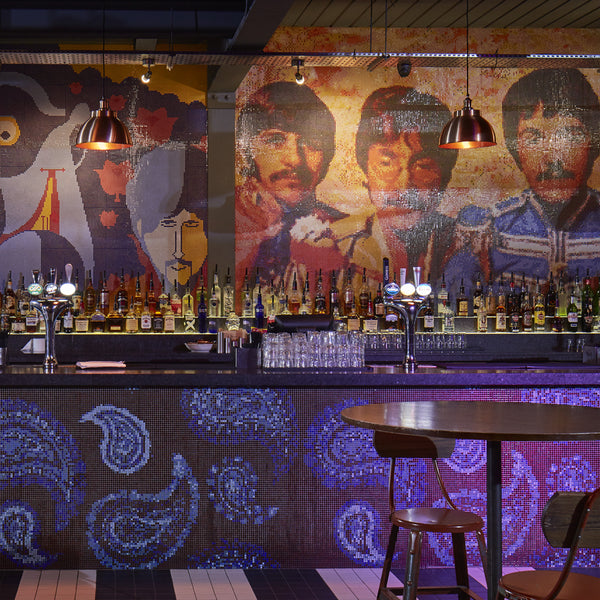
(231, 34)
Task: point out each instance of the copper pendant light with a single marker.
(103, 130)
(467, 128)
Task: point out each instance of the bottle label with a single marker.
(463, 308)
(17, 326)
(169, 323)
(370, 325)
(146, 322)
(500, 321)
(81, 325)
(573, 317)
(353, 324)
(131, 325)
(428, 322)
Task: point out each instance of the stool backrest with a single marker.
(569, 515)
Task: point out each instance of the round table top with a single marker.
(479, 420)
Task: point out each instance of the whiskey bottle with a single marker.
(77, 297)
(146, 317)
(539, 308)
(320, 300)
(462, 302)
(428, 315)
(169, 318)
(294, 297)
(334, 297)
(104, 295)
(114, 319)
(214, 306)
(132, 322)
(122, 297)
(150, 295)
(228, 295)
(202, 311)
(138, 301)
(163, 297)
(158, 320)
(572, 315)
(68, 320)
(306, 298)
(187, 308)
(501, 307)
(478, 297)
(490, 299)
(513, 307)
(10, 299)
(379, 304)
(82, 322)
(349, 297)
(442, 296)
(526, 307)
(363, 295)
(282, 306)
(31, 320)
(447, 317)
(98, 319)
(481, 315)
(89, 297)
(551, 298)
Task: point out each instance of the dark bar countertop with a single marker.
(463, 375)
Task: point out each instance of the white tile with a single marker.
(221, 585)
(48, 585)
(182, 584)
(240, 584)
(66, 588)
(335, 583)
(86, 584)
(202, 586)
(352, 579)
(28, 585)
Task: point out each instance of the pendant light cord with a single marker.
(467, 48)
(103, 49)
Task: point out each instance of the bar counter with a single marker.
(193, 463)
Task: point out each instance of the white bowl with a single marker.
(199, 346)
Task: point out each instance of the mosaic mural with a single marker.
(208, 478)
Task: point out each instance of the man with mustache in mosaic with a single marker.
(551, 126)
(286, 138)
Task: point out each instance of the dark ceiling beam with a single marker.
(254, 32)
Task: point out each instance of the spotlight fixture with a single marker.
(103, 130)
(298, 62)
(147, 62)
(467, 128)
(404, 68)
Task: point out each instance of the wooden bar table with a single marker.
(493, 422)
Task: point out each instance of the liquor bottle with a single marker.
(104, 295)
(169, 317)
(334, 297)
(320, 300)
(539, 308)
(370, 323)
(442, 296)
(163, 297)
(557, 320)
(587, 304)
(32, 319)
(114, 319)
(294, 297)
(77, 297)
(146, 316)
(17, 324)
(363, 295)
(428, 315)
(23, 298)
(462, 302)
(245, 287)
(481, 315)
(228, 295)
(478, 297)
(576, 293)
(596, 308)
(10, 299)
(202, 311)
(286, 307)
(150, 296)
(282, 306)
(158, 319)
(82, 321)
(526, 307)
(378, 305)
(572, 315)
(214, 302)
(513, 307)
(307, 297)
(138, 301)
(349, 297)
(351, 312)
(98, 319)
(501, 307)
(68, 320)
(247, 306)
(132, 321)
(490, 299)
(256, 287)
(447, 317)
(89, 296)
(122, 297)
(551, 298)
(259, 311)
(176, 301)
(562, 295)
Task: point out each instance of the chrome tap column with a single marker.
(408, 299)
(50, 306)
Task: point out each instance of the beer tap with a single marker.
(51, 306)
(408, 299)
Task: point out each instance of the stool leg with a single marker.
(387, 563)
(460, 563)
(483, 553)
(413, 558)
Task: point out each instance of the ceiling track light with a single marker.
(467, 128)
(298, 62)
(103, 130)
(147, 62)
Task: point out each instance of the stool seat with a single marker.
(436, 520)
(536, 585)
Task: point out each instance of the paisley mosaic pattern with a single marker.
(232, 488)
(36, 450)
(125, 447)
(468, 456)
(131, 530)
(357, 527)
(19, 526)
(573, 474)
(228, 417)
(234, 556)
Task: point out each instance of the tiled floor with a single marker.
(215, 584)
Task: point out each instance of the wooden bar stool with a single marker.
(570, 520)
(419, 521)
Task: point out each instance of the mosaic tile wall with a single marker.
(174, 478)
